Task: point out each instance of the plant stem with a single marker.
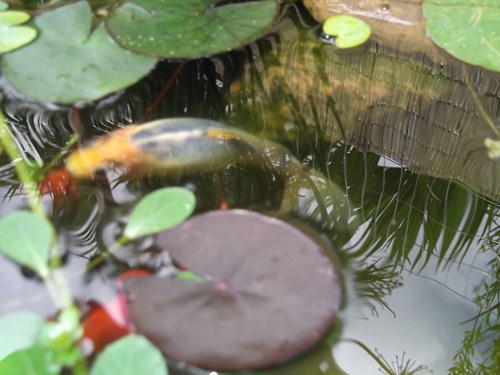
(23, 171)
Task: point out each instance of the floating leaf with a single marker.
(188, 28)
(466, 29)
(131, 355)
(18, 330)
(160, 210)
(348, 31)
(35, 360)
(79, 65)
(27, 238)
(4, 5)
(12, 35)
(267, 293)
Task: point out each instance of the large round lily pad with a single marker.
(79, 64)
(188, 28)
(268, 292)
(469, 30)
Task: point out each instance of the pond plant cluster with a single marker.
(92, 51)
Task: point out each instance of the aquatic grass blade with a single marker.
(160, 210)
(27, 238)
(131, 355)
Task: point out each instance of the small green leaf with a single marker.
(12, 35)
(160, 210)
(27, 238)
(18, 330)
(81, 64)
(348, 31)
(131, 355)
(35, 360)
(188, 28)
(466, 29)
(62, 335)
(3, 5)
(188, 276)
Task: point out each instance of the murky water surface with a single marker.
(401, 139)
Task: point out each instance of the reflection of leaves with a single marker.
(373, 283)
(485, 332)
(400, 208)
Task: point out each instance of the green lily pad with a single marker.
(348, 31)
(4, 5)
(79, 65)
(13, 36)
(188, 28)
(466, 29)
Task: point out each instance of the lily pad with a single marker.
(348, 31)
(12, 35)
(267, 292)
(188, 28)
(466, 29)
(79, 65)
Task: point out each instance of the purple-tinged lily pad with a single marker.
(268, 292)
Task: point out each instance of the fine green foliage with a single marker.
(466, 29)
(27, 238)
(80, 65)
(160, 210)
(130, 355)
(188, 28)
(348, 31)
(35, 360)
(18, 330)
(12, 35)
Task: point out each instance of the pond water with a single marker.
(417, 245)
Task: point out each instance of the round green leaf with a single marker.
(130, 355)
(188, 28)
(13, 36)
(18, 330)
(80, 65)
(469, 30)
(35, 360)
(27, 238)
(160, 210)
(348, 31)
(3, 5)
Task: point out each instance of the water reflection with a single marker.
(425, 249)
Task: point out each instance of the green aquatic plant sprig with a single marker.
(50, 346)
